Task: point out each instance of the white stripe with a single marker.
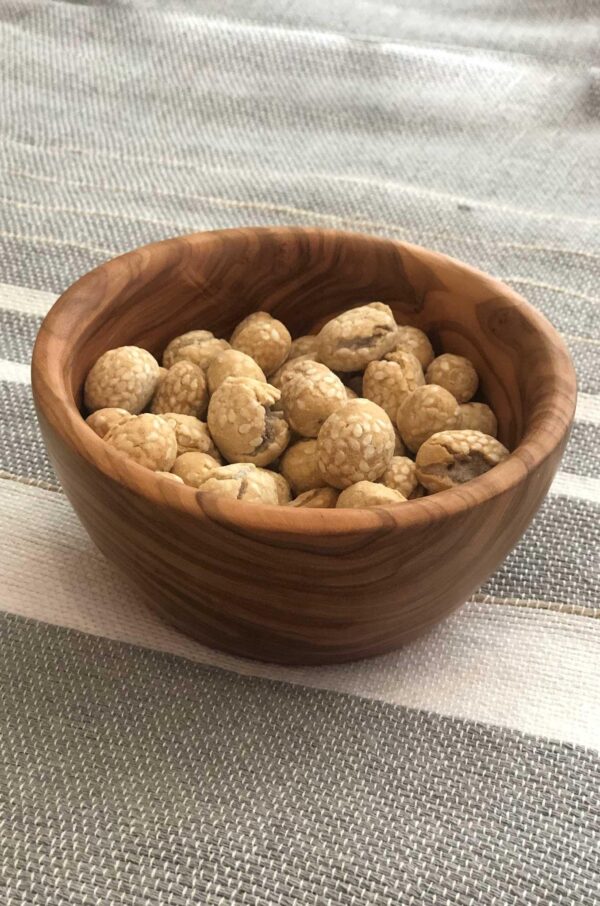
(26, 301)
(14, 371)
(588, 408)
(579, 487)
(485, 663)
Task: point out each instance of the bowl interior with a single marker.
(303, 277)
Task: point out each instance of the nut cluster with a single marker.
(362, 414)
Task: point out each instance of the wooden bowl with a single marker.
(302, 586)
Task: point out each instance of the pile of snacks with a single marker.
(363, 414)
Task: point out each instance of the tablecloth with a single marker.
(138, 767)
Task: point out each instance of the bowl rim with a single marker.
(49, 382)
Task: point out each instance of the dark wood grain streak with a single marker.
(302, 586)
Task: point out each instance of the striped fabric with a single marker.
(138, 768)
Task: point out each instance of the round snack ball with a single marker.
(289, 369)
(356, 337)
(423, 412)
(102, 420)
(306, 345)
(264, 338)
(387, 383)
(284, 494)
(300, 466)
(366, 494)
(122, 378)
(232, 363)
(401, 475)
(455, 374)
(450, 458)
(355, 443)
(162, 373)
(479, 417)
(350, 394)
(243, 424)
(196, 346)
(310, 396)
(147, 439)
(242, 481)
(192, 434)
(194, 468)
(182, 390)
(317, 499)
(170, 476)
(415, 341)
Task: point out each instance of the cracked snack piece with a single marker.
(147, 439)
(306, 345)
(415, 341)
(242, 481)
(182, 390)
(388, 382)
(357, 336)
(122, 378)
(299, 464)
(232, 363)
(478, 417)
(425, 411)
(355, 443)
(401, 475)
(196, 346)
(192, 434)
(455, 374)
(243, 424)
(263, 338)
(102, 420)
(309, 397)
(317, 499)
(450, 458)
(194, 468)
(368, 493)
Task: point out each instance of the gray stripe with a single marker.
(17, 335)
(582, 455)
(145, 779)
(557, 559)
(22, 452)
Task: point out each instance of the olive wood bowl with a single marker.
(302, 586)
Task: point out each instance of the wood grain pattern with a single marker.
(302, 586)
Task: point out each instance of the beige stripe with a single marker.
(25, 301)
(486, 663)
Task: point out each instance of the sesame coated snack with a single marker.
(455, 374)
(357, 337)
(264, 338)
(356, 443)
(123, 378)
(366, 494)
(102, 420)
(450, 458)
(183, 389)
(361, 414)
(423, 412)
(309, 396)
(243, 424)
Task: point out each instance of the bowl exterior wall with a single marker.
(295, 600)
